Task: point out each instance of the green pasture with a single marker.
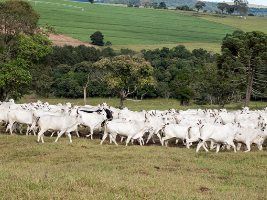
(130, 27)
(137, 105)
(87, 170)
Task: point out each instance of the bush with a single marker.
(97, 38)
(108, 43)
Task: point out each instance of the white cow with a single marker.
(131, 129)
(63, 124)
(175, 131)
(219, 134)
(94, 119)
(249, 136)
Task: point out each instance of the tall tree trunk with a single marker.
(249, 87)
(122, 98)
(121, 102)
(84, 95)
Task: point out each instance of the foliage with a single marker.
(243, 63)
(222, 6)
(184, 7)
(14, 79)
(97, 38)
(16, 17)
(162, 5)
(125, 74)
(200, 5)
(22, 48)
(176, 71)
(33, 48)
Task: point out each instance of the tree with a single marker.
(134, 3)
(91, 1)
(22, 49)
(200, 5)
(230, 9)
(162, 5)
(97, 38)
(125, 75)
(222, 6)
(242, 9)
(241, 6)
(16, 17)
(244, 56)
(14, 79)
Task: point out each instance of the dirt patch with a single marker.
(204, 170)
(204, 189)
(143, 173)
(61, 40)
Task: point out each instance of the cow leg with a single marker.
(91, 132)
(41, 132)
(77, 133)
(128, 140)
(20, 131)
(69, 135)
(176, 141)
(122, 138)
(259, 143)
(149, 137)
(113, 138)
(201, 144)
(212, 146)
(187, 144)
(232, 144)
(142, 141)
(59, 135)
(248, 146)
(205, 147)
(164, 141)
(218, 148)
(159, 137)
(52, 133)
(10, 125)
(104, 137)
(42, 138)
(238, 147)
(28, 130)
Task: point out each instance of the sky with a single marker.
(259, 2)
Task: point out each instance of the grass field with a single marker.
(86, 170)
(146, 104)
(141, 28)
(130, 27)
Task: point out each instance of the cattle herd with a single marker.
(208, 129)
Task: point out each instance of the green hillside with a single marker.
(139, 28)
(130, 27)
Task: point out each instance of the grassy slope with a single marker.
(130, 26)
(86, 170)
(147, 104)
(250, 24)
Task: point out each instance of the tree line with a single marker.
(30, 64)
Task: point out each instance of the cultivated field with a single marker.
(129, 27)
(141, 28)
